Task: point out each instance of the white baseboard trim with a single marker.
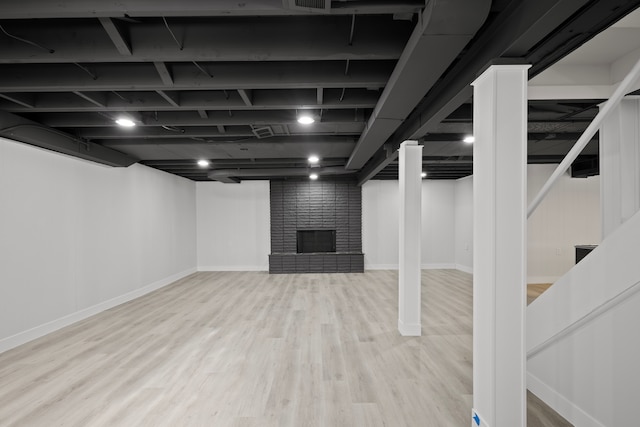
(52, 326)
(464, 268)
(409, 329)
(423, 266)
(572, 413)
(438, 266)
(234, 268)
(381, 266)
(542, 279)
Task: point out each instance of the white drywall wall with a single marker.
(78, 237)
(380, 210)
(233, 226)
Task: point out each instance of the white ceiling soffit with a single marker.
(594, 70)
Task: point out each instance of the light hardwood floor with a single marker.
(253, 349)
(534, 290)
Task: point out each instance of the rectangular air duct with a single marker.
(309, 5)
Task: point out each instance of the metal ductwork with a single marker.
(308, 5)
(443, 30)
(29, 132)
(235, 175)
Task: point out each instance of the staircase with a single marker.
(583, 336)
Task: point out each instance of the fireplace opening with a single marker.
(310, 241)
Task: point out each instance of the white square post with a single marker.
(410, 177)
(499, 246)
(620, 164)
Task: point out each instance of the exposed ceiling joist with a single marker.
(235, 175)
(277, 99)
(159, 131)
(186, 118)
(280, 140)
(228, 76)
(19, 9)
(221, 41)
(224, 80)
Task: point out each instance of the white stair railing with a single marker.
(624, 87)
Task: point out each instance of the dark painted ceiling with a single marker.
(225, 80)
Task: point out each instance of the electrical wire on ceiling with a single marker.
(29, 42)
(205, 72)
(86, 70)
(173, 129)
(166, 24)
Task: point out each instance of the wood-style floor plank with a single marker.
(249, 349)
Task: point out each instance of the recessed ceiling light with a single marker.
(469, 139)
(203, 163)
(313, 176)
(423, 174)
(314, 159)
(305, 119)
(127, 123)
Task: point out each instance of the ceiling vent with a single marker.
(262, 131)
(309, 5)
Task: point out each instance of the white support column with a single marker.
(499, 246)
(410, 235)
(620, 164)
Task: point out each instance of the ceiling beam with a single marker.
(211, 131)
(29, 132)
(187, 118)
(221, 129)
(51, 102)
(123, 141)
(320, 96)
(19, 9)
(203, 114)
(117, 36)
(295, 40)
(519, 28)
(228, 76)
(439, 37)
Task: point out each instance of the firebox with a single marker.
(313, 241)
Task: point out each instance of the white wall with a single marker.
(568, 216)
(233, 226)
(78, 237)
(464, 224)
(380, 224)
